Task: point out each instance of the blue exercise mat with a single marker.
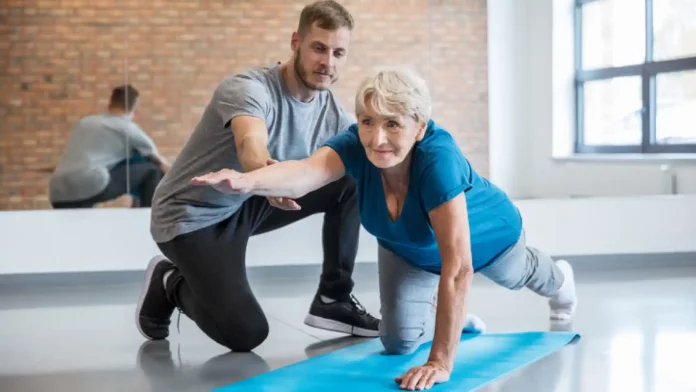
(481, 359)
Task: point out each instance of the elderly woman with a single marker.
(436, 220)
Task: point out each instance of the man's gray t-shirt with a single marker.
(295, 130)
(97, 144)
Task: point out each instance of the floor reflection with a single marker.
(162, 372)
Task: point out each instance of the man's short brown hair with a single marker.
(328, 15)
(124, 97)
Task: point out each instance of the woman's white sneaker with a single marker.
(564, 303)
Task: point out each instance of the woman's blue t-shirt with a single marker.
(439, 172)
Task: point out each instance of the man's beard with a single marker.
(302, 74)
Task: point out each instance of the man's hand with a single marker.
(225, 181)
(282, 202)
(424, 377)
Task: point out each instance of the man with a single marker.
(280, 112)
(99, 163)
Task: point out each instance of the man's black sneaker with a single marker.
(154, 311)
(347, 316)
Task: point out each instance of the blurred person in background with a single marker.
(107, 156)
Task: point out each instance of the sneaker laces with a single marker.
(361, 309)
(175, 301)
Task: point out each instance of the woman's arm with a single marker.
(292, 179)
(451, 225)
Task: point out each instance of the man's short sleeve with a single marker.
(347, 145)
(346, 121)
(445, 174)
(238, 96)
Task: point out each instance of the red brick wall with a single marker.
(60, 59)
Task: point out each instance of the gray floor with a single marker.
(638, 327)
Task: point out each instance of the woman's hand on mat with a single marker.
(424, 377)
(225, 181)
(282, 202)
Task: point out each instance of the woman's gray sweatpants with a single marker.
(409, 294)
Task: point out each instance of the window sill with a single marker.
(629, 158)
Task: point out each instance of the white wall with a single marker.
(115, 239)
(530, 92)
(118, 239)
(507, 118)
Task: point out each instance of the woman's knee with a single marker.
(395, 345)
(401, 339)
(248, 342)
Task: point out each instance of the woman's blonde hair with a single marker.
(395, 90)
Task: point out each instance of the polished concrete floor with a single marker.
(638, 327)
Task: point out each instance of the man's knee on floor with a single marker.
(246, 338)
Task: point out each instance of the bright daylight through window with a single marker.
(635, 84)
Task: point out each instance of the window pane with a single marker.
(674, 29)
(675, 115)
(612, 112)
(613, 33)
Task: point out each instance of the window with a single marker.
(635, 76)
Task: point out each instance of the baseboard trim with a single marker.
(629, 261)
(586, 263)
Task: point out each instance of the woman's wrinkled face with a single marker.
(388, 138)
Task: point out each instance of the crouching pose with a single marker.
(436, 220)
